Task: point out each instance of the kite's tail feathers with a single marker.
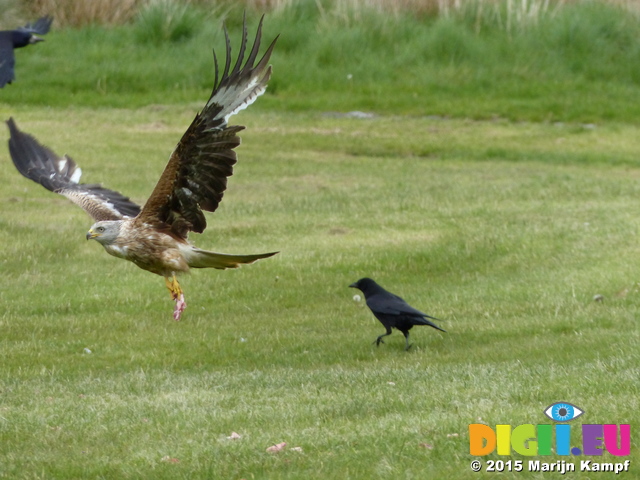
(203, 259)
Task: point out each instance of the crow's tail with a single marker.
(424, 321)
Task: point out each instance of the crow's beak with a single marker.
(354, 285)
(35, 39)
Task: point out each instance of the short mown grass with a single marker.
(505, 231)
(494, 186)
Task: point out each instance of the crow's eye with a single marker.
(563, 412)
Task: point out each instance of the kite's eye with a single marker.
(100, 229)
(563, 412)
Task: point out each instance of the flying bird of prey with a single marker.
(154, 237)
(391, 310)
(18, 38)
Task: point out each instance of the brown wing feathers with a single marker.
(199, 182)
(195, 177)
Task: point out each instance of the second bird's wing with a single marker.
(40, 26)
(61, 175)
(7, 60)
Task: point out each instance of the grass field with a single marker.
(505, 226)
(505, 231)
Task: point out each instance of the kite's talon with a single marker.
(180, 306)
(174, 287)
(176, 294)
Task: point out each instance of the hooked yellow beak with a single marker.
(91, 234)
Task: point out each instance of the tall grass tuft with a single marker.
(511, 14)
(75, 13)
(167, 21)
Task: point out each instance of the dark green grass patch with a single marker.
(577, 63)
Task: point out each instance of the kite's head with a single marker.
(105, 232)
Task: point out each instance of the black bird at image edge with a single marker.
(18, 38)
(392, 311)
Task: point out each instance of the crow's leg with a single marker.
(406, 340)
(379, 340)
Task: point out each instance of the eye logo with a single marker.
(563, 412)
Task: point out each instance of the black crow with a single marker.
(391, 310)
(20, 37)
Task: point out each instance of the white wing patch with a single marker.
(237, 99)
(249, 100)
(61, 166)
(75, 176)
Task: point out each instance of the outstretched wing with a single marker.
(195, 177)
(40, 26)
(7, 60)
(61, 175)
